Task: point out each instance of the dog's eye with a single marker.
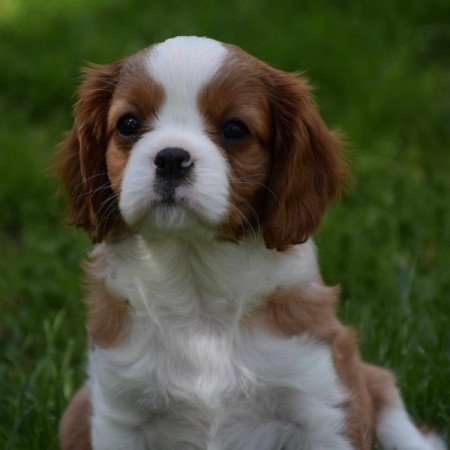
(235, 130)
(128, 126)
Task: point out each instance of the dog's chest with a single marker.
(191, 361)
(191, 365)
(205, 383)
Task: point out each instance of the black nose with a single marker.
(173, 162)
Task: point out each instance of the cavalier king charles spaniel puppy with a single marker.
(200, 173)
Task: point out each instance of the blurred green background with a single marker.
(382, 74)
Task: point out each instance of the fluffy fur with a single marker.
(209, 325)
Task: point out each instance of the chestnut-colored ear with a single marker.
(308, 170)
(92, 203)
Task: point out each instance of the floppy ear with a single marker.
(92, 203)
(308, 170)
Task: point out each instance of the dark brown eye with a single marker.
(235, 130)
(128, 126)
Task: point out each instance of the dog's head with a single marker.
(192, 133)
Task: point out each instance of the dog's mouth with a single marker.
(171, 213)
(171, 196)
(174, 204)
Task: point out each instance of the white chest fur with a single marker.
(190, 374)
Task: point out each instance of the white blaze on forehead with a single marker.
(183, 66)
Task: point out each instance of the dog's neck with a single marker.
(202, 277)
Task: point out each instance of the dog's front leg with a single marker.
(108, 433)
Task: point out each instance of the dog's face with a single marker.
(192, 133)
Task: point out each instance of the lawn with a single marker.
(382, 75)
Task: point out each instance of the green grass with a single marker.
(382, 72)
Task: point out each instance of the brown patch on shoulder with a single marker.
(75, 427)
(107, 316)
(311, 309)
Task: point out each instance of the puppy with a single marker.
(201, 173)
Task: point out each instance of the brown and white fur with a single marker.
(209, 325)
